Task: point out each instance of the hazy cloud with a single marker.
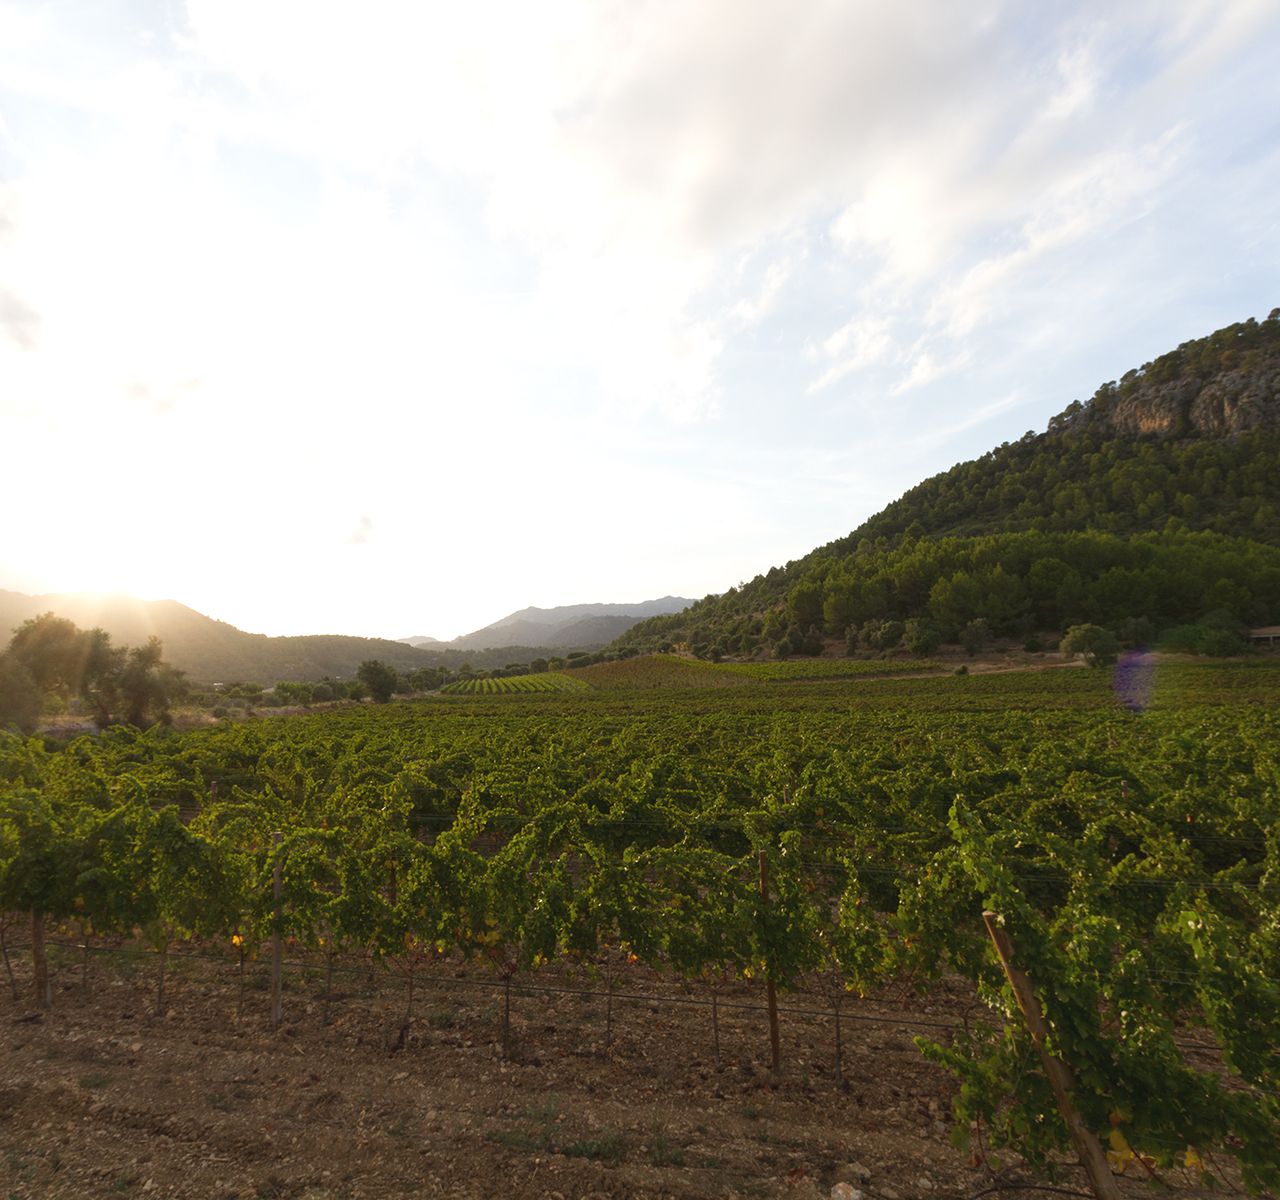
(19, 320)
(752, 310)
(362, 533)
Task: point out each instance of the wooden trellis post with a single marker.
(277, 946)
(1088, 1148)
(771, 990)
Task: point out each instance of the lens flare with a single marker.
(1134, 679)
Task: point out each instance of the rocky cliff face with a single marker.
(1209, 388)
(1238, 401)
(1231, 403)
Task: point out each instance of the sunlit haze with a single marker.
(391, 318)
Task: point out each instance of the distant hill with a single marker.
(211, 651)
(1192, 438)
(567, 626)
(1158, 500)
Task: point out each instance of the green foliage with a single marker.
(804, 603)
(975, 636)
(883, 635)
(824, 668)
(1094, 897)
(53, 651)
(40, 853)
(1099, 647)
(299, 693)
(504, 685)
(380, 679)
(49, 661)
(1217, 634)
(146, 686)
(921, 637)
(19, 695)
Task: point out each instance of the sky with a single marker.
(393, 318)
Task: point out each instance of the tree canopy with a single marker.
(380, 679)
(50, 662)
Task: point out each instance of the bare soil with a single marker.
(103, 1097)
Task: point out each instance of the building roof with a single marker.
(1266, 631)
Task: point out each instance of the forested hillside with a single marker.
(1157, 501)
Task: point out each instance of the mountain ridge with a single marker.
(1186, 444)
(582, 626)
(214, 651)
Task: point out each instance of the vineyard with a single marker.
(520, 685)
(670, 671)
(656, 671)
(819, 838)
(830, 668)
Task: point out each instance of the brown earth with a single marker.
(101, 1097)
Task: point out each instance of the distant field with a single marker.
(829, 668)
(545, 681)
(652, 671)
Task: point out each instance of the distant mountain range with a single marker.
(208, 650)
(212, 651)
(577, 626)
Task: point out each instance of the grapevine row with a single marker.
(1135, 860)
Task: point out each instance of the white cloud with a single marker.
(925, 369)
(1103, 195)
(1079, 77)
(362, 533)
(752, 310)
(859, 343)
(18, 320)
(629, 155)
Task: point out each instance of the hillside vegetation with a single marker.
(1155, 503)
